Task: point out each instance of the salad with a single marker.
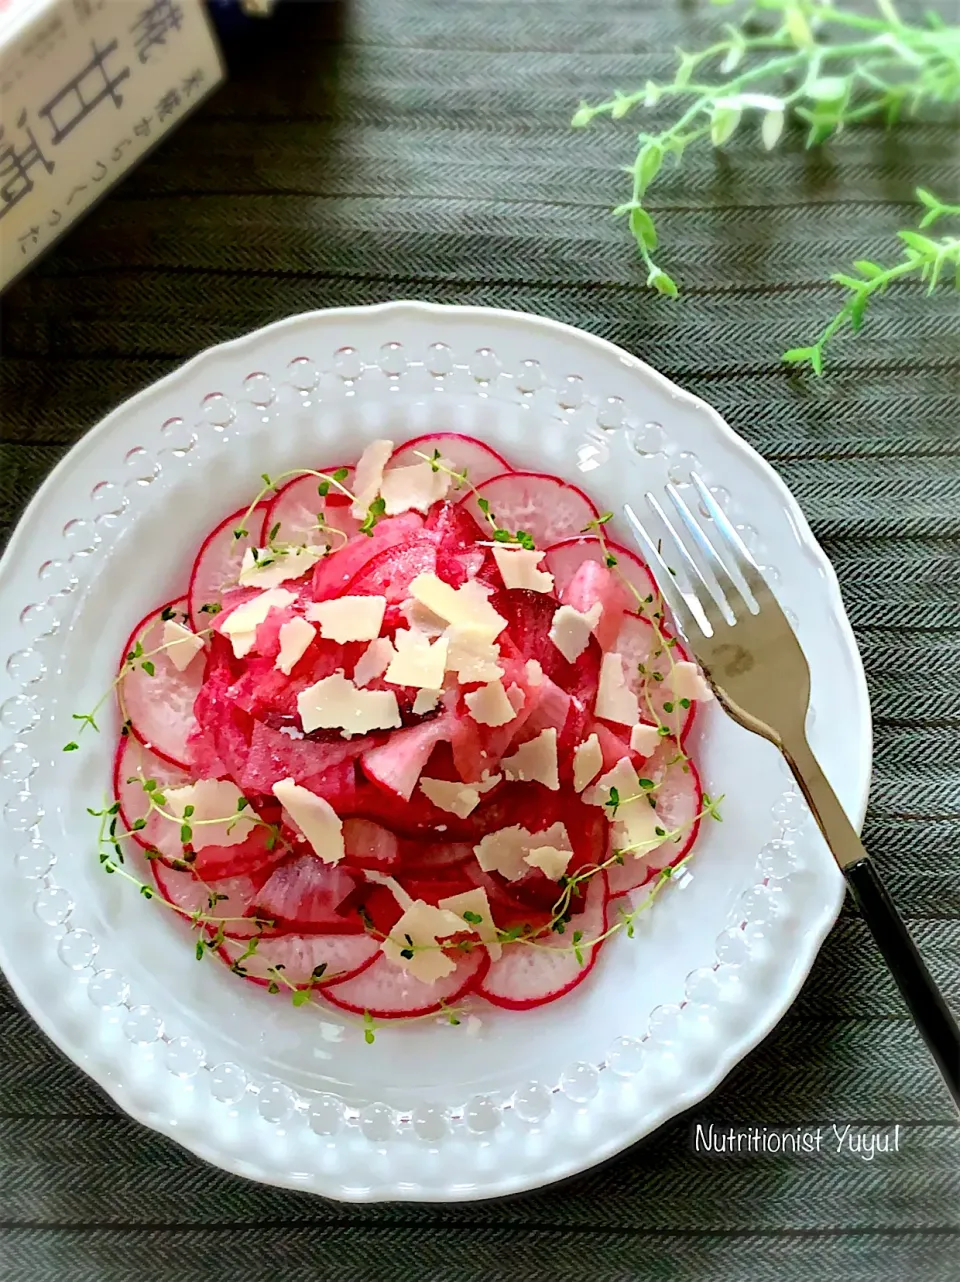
(414, 730)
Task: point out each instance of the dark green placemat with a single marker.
(428, 156)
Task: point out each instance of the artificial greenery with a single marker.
(825, 66)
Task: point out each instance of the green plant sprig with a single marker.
(270, 484)
(802, 66)
(923, 258)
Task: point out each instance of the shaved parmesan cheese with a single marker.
(334, 703)
(382, 879)
(570, 630)
(315, 817)
(295, 635)
(470, 655)
(535, 761)
(421, 619)
(425, 702)
(551, 861)
(686, 682)
(460, 799)
(466, 605)
(368, 475)
(534, 672)
(417, 486)
(374, 661)
(215, 820)
(615, 700)
(587, 762)
(417, 662)
(241, 624)
(266, 568)
(182, 645)
(645, 739)
(507, 851)
(518, 568)
(490, 705)
(349, 618)
(475, 903)
(634, 821)
(416, 935)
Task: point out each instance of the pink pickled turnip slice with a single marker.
(395, 766)
(302, 894)
(218, 562)
(135, 762)
(334, 572)
(546, 508)
(295, 509)
(385, 991)
(526, 976)
(160, 707)
(564, 559)
(679, 801)
(192, 895)
(299, 956)
(638, 644)
(463, 452)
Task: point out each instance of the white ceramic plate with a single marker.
(294, 1096)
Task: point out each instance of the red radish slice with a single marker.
(639, 645)
(387, 992)
(296, 508)
(135, 762)
(564, 559)
(334, 572)
(302, 895)
(218, 562)
(274, 755)
(527, 976)
(434, 858)
(547, 508)
(369, 845)
(679, 800)
(395, 766)
(463, 452)
(392, 570)
(160, 707)
(192, 895)
(595, 584)
(298, 956)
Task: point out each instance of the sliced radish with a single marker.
(135, 763)
(528, 975)
(234, 896)
(546, 508)
(370, 845)
(396, 765)
(160, 707)
(218, 562)
(298, 957)
(274, 755)
(462, 452)
(679, 801)
(296, 508)
(641, 645)
(434, 858)
(387, 992)
(564, 559)
(594, 584)
(302, 895)
(392, 570)
(334, 572)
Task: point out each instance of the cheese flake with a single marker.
(587, 762)
(508, 850)
(417, 933)
(374, 661)
(634, 821)
(315, 817)
(334, 703)
(534, 672)
(466, 605)
(349, 618)
(518, 568)
(368, 475)
(425, 702)
(471, 655)
(476, 903)
(182, 645)
(215, 820)
(551, 860)
(615, 700)
(295, 635)
(241, 623)
(458, 798)
(416, 486)
(417, 662)
(686, 681)
(266, 568)
(535, 761)
(570, 630)
(490, 705)
(645, 739)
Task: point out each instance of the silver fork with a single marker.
(745, 645)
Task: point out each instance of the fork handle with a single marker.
(924, 1000)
